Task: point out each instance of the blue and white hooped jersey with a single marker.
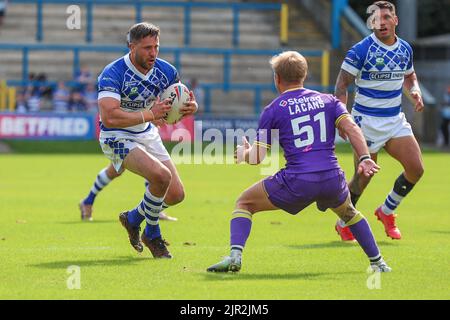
(380, 71)
(135, 91)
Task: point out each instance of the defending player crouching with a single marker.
(306, 122)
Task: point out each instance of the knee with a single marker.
(175, 196)
(245, 204)
(161, 178)
(416, 173)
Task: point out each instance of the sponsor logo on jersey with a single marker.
(134, 92)
(132, 105)
(283, 103)
(386, 76)
(131, 83)
(380, 62)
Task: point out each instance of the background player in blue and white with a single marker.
(129, 90)
(381, 65)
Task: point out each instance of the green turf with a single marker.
(286, 257)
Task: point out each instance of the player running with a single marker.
(381, 65)
(129, 90)
(306, 122)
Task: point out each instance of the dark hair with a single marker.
(384, 5)
(142, 30)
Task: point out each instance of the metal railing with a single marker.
(227, 54)
(236, 8)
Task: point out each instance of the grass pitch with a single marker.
(286, 257)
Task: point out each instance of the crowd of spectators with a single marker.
(79, 95)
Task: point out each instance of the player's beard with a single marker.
(143, 63)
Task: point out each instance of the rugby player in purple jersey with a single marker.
(305, 122)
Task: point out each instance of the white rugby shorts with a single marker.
(379, 130)
(117, 144)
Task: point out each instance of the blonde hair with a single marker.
(290, 66)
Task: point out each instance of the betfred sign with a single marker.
(75, 126)
(48, 126)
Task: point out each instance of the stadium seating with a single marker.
(210, 28)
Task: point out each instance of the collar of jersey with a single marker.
(381, 44)
(293, 89)
(133, 68)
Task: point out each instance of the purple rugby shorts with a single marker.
(293, 192)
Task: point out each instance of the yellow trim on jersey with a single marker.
(293, 89)
(341, 117)
(240, 213)
(357, 218)
(262, 144)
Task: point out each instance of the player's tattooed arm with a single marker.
(344, 80)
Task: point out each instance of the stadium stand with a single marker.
(212, 26)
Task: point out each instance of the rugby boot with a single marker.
(389, 224)
(231, 263)
(133, 232)
(345, 233)
(165, 217)
(380, 266)
(86, 211)
(157, 246)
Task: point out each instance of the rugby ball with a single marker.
(178, 93)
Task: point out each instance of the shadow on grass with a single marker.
(88, 222)
(268, 276)
(440, 232)
(119, 261)
(335, 244)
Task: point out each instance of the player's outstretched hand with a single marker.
(418, 101)
(161, 108)
(368, 167)
(241, 150)
(190, 107)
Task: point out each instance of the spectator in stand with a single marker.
(445, 114)
(84, 77)
(91, 98)
(77, 102)
(21, 104)
(34, 100)
(30, 86)
(44, 92)
(3, 5)
(61, 98)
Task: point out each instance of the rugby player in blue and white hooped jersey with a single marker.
(129, 105)
(381, 65)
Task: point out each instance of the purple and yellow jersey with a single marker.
(306, 122)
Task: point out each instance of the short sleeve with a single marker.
(265, 126)
(410, 66)
(109, 84)
(353, 61)
(340, 111)
(172, 75)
